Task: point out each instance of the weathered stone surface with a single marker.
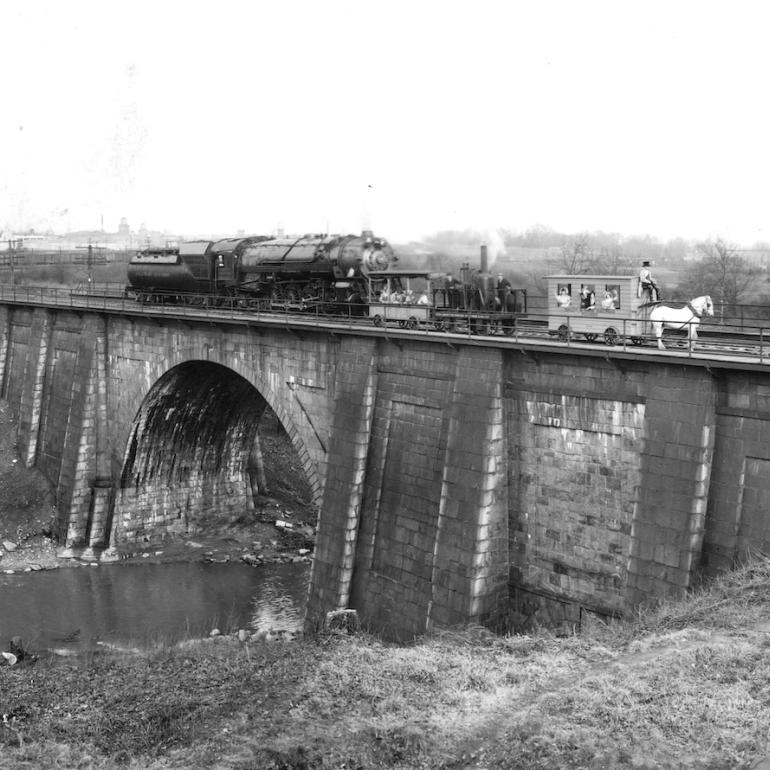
(457, 484)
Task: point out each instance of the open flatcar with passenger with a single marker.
(477, 302)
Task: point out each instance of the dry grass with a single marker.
(684, 685)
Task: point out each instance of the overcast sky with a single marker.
(403, 117)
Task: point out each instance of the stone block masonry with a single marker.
(574, 494)
(462, 483)
(737, 508)
(609, 485)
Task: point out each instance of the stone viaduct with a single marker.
(476, 480)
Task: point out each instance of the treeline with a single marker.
(685, 268)
(579, 252)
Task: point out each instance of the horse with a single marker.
(687, 317)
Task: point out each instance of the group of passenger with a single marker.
(648, 292)
(587, 298)
(403, 297)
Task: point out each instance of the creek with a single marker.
(139, 605)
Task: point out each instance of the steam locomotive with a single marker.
(312, 270)
(338, 275)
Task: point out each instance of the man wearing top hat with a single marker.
(648, 289)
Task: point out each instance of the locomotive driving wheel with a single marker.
(611, 336)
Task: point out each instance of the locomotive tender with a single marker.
(312, 270)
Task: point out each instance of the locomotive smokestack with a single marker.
(484, 260)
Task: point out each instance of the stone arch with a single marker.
(189, 460)
(304, 436)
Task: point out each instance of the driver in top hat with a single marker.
(648, 289)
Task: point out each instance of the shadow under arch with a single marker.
(191, 458)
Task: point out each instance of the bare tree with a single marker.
(611, 260)
(576, 256)
(722, 273)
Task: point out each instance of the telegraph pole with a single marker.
(90, 263)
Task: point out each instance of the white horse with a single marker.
(687, 317)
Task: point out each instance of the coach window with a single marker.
(563, 295)
(587, 297)
(611, 297)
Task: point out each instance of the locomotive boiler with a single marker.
(311, 269)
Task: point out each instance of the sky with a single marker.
(406, 118)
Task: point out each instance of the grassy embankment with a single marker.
(686, 685)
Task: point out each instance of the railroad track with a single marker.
(721, 342)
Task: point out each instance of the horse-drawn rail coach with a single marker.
(614, 308)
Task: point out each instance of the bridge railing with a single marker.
(743, 338)
(738, 339)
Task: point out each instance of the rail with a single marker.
(711, 333)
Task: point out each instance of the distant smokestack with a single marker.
(484, 260)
